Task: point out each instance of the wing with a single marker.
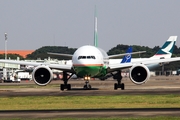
(110, 56)
(63, 67)
(114, 67)
(59, 54)
(119, 55)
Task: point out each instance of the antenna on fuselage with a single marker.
(95, 29)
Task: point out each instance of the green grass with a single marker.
(89, 102)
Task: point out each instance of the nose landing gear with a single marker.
(87, 86)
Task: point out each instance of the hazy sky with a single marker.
(31, 24)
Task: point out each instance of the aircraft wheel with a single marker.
(115, 86)
(69, 86)
(122, 86)
(87, 87)
(62, 87)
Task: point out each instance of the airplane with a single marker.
(90, 61)
(139, 68)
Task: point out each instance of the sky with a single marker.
(31, 24)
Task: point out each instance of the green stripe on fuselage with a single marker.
(91, 71)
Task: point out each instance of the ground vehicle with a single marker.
(22, 75)
(11, 77)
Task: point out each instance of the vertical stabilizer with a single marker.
(95, 29)
(127, 57)
(167, 49)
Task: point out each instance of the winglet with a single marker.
(95, 29)
(127, 57)
(167, 49)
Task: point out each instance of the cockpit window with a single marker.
(83, 57)
(93, 57)
(86, 57)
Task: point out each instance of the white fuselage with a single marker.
(89, 61)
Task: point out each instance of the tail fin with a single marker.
(127, 57)
(167, 49)
(95, 30)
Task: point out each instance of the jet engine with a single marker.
(139, 74)
(42, 75)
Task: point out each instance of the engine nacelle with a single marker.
(42, 75)
(139, 74)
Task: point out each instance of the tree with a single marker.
(42, 52)
(11, 56)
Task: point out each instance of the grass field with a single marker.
(89, 102)
(92, 102)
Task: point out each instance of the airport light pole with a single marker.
(5, 34)
(5, 50)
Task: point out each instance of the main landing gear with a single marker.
(87, 86)
(119, 78)
(65, 79)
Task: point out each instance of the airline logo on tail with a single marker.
(127, 58)
(167, 49)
